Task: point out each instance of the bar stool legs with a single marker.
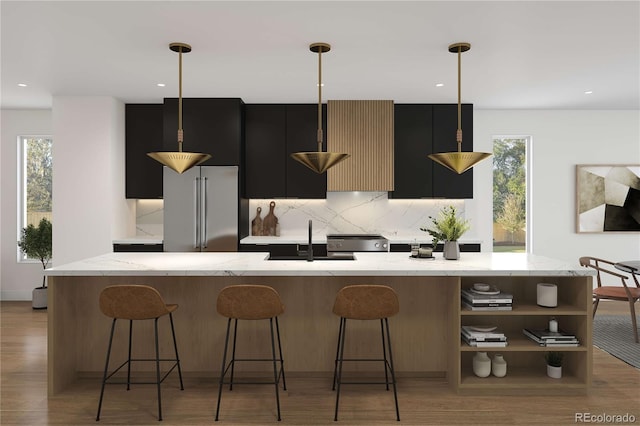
(365, 302)
(250, 302)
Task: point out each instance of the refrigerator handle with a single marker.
(205, 214)
(196, 213)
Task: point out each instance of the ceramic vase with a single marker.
(499, 366)
(554, 372)
(451, 250)
(39, 298)
(481, 364)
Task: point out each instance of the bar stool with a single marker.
(250, 302)
(137, 302)
(365, 302)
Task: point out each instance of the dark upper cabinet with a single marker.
(143, 134)
(302, 130)
(448, 184)
(422, 129)
(211, 126)
(272, 133)
(413, 171)
(265, 150)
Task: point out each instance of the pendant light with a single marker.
(319, 161)
(459, 161)
(179, 161)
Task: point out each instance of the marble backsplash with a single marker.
(341, 212)
(353, 212)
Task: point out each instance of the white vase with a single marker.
(451, 250)
(554, 372)
(481, 364)
(499, 366)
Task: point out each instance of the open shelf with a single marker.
(526, 367)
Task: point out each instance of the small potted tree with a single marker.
(448, 228)
(554, 364)
(35, 242)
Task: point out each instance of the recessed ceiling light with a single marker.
(588, 92)
(322, 85)
(22, 85)
(439, 84)
(161, 84)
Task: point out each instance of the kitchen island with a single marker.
(425, 334)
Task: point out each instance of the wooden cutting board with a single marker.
(270, 222)
(256, 223)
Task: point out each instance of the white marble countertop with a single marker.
(366, 264)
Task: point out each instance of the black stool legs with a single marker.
(276, 374)
(157, 360)
(388, 363)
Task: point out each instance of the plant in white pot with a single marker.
(35, 242)
(448, 228)
(554, 364)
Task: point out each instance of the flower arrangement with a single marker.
(447, 226)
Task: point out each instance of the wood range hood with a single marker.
(364, 129)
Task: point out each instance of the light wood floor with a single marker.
(308, 401)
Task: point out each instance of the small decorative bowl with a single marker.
(481, 287)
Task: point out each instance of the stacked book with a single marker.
(551, 338)
(483, 337)
(490, 300)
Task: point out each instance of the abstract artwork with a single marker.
(608, 198)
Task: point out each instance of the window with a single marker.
(510, 194)
(35, 183)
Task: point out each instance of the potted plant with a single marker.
(554, 364)
(35, 242)
(448, 228)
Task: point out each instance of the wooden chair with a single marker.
(365, 302)
(250, 302)
(137, 302)
(625, 293)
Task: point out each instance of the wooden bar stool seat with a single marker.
(366, 302)
(250, 302)
(137, 302)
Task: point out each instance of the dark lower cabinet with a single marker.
(422, 129)
(211, 125)
(464, 247)
(137, 248)
(272, 133)
(143, 134)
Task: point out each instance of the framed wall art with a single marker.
(608, 198)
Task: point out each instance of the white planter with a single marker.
(554, 372)
(39, 298)
(451, 250)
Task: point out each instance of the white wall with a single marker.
(16, 279)
(561, 140)
(89, 205)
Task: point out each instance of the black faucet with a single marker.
(310, 246)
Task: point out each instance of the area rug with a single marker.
(614, 335)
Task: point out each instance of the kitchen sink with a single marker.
(335, 256)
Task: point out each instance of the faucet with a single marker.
(310, 245)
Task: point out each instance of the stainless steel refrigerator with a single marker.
(201, 209)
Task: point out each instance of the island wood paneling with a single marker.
(363, 129)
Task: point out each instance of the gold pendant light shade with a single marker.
(319, 161)
(459, 161)
(179, 161)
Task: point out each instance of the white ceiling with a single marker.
(539, 54)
